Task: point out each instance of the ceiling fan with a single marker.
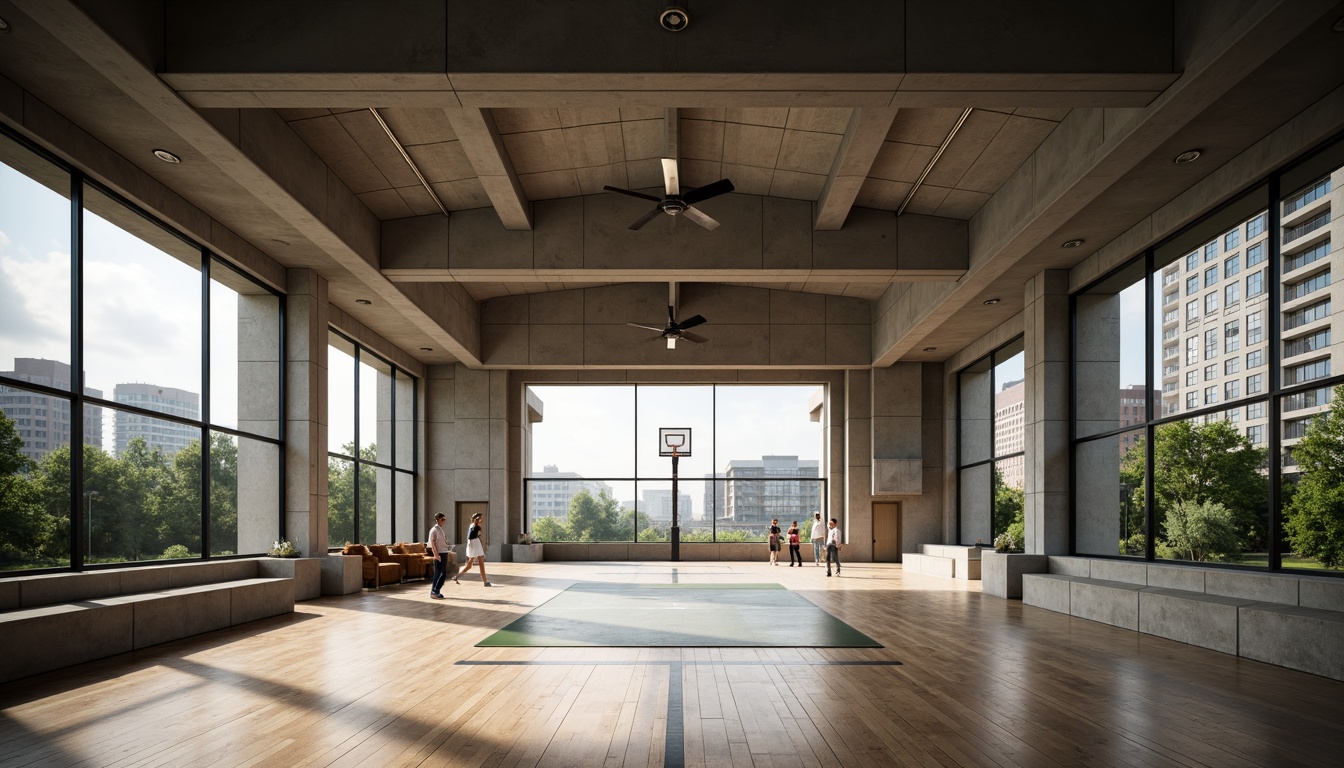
(675, 330)
(675, 203)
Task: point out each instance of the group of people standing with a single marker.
(824, 536)
(438, 546)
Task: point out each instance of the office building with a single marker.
(161, 434)
(43, 421)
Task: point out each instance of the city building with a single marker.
(166, 436)
(43, 421)
(550, 492)
(1009, 431)
(783, 487)
(657, 504)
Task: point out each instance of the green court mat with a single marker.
(676, 616)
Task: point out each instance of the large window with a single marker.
(991, 417)
(156, 357)
(1194, 482)
(596, 474)
(371, 439)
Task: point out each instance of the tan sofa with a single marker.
(419, 562)
(377, 572)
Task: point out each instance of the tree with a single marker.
(1212, 462)
(1314, 514)
(1199, 531)
(1009, 505)
(341, 496)
(25, 528)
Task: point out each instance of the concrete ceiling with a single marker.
(292, 121)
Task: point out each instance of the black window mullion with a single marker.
(78, 552)
(205, 405)
(1274, 460)
(356, 466)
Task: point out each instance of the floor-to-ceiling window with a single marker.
(1223, 444)
(597, 475)
(156, 357)
(371, 447)
(991, 427)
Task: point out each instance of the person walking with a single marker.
(438, 547)
(774, 541)
(475, 550)
(833, 547)
(818, 538)
(794, 552)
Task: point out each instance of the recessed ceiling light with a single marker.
(1188, 156)
(365, 302)
(930, 349)
(426, 349)
(4, 26)
(1073, 243)
(992, 302)
(167, 157)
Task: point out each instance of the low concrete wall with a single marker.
(661, 551)
(1001, 572)
(1292, 621)
(305, 571)
(342, 574)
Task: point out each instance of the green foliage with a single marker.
(1314, 510)
(141, 506)
(1199, 531)
(1009, 516)
(1212, 462)
(341, 496)
(176, 552)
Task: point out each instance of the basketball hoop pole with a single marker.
(675, 533)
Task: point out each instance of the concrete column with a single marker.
(898, 446)
(258, 412)
(857, 519)
(1098, 370)
(409, 527)
(306, 410)
(385, 490)
(468, 456)
(1046, 419)
(976, 443)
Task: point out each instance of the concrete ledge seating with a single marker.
(52, 621)
(951, 561)
(1290, 621)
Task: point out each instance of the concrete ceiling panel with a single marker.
(643, 139)
(823, 120)
(961, 204)
(882, 193)
(550, 184)
(705, 113)
(1042, 113)
(797, 344)
(1013, 144)
(698, 173)
(749, 179)
(592, 179)
(808, 152)
(796, 308)
(595, 145)
(797, 186)
(980, 128)
(927, 199)
(751, 145)
(573, 117)
(701, 139)
(471, 192)
(923, 126)
(771, 117)
(898, 161)
(630, 114)
(526, 120)
(559, 307)
(538, 151)
(371, 138)
(329, 139)
(418, 126)
(418, 200)
(445, 161)
(786, 234)
(646, 174)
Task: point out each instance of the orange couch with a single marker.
(419, 563)
(377, 573)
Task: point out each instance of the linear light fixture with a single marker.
(933, 160)
(405, 156)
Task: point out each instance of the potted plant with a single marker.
(283, 548)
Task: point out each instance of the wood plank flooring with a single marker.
(392, 678)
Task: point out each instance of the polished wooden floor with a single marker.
(393, 678)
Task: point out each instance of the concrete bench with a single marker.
(929, 565)
(947, 560)
(42, 638)
(1291, 621)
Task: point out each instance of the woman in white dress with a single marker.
(475, 550)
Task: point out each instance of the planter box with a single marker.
(1001, 572)
(527, 553)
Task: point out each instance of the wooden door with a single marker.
(465, 509)
(886, 532)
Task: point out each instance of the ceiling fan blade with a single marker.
(697, 338)
(698, 216)
(720, 187)
(671, 179)
(633, 193)
(653, 328)
(646, 218)
(691, 322)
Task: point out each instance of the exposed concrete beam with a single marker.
(282, 195)
(867, 130)
(762, 239)
(480, 139)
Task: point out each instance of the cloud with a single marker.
(34, 303)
